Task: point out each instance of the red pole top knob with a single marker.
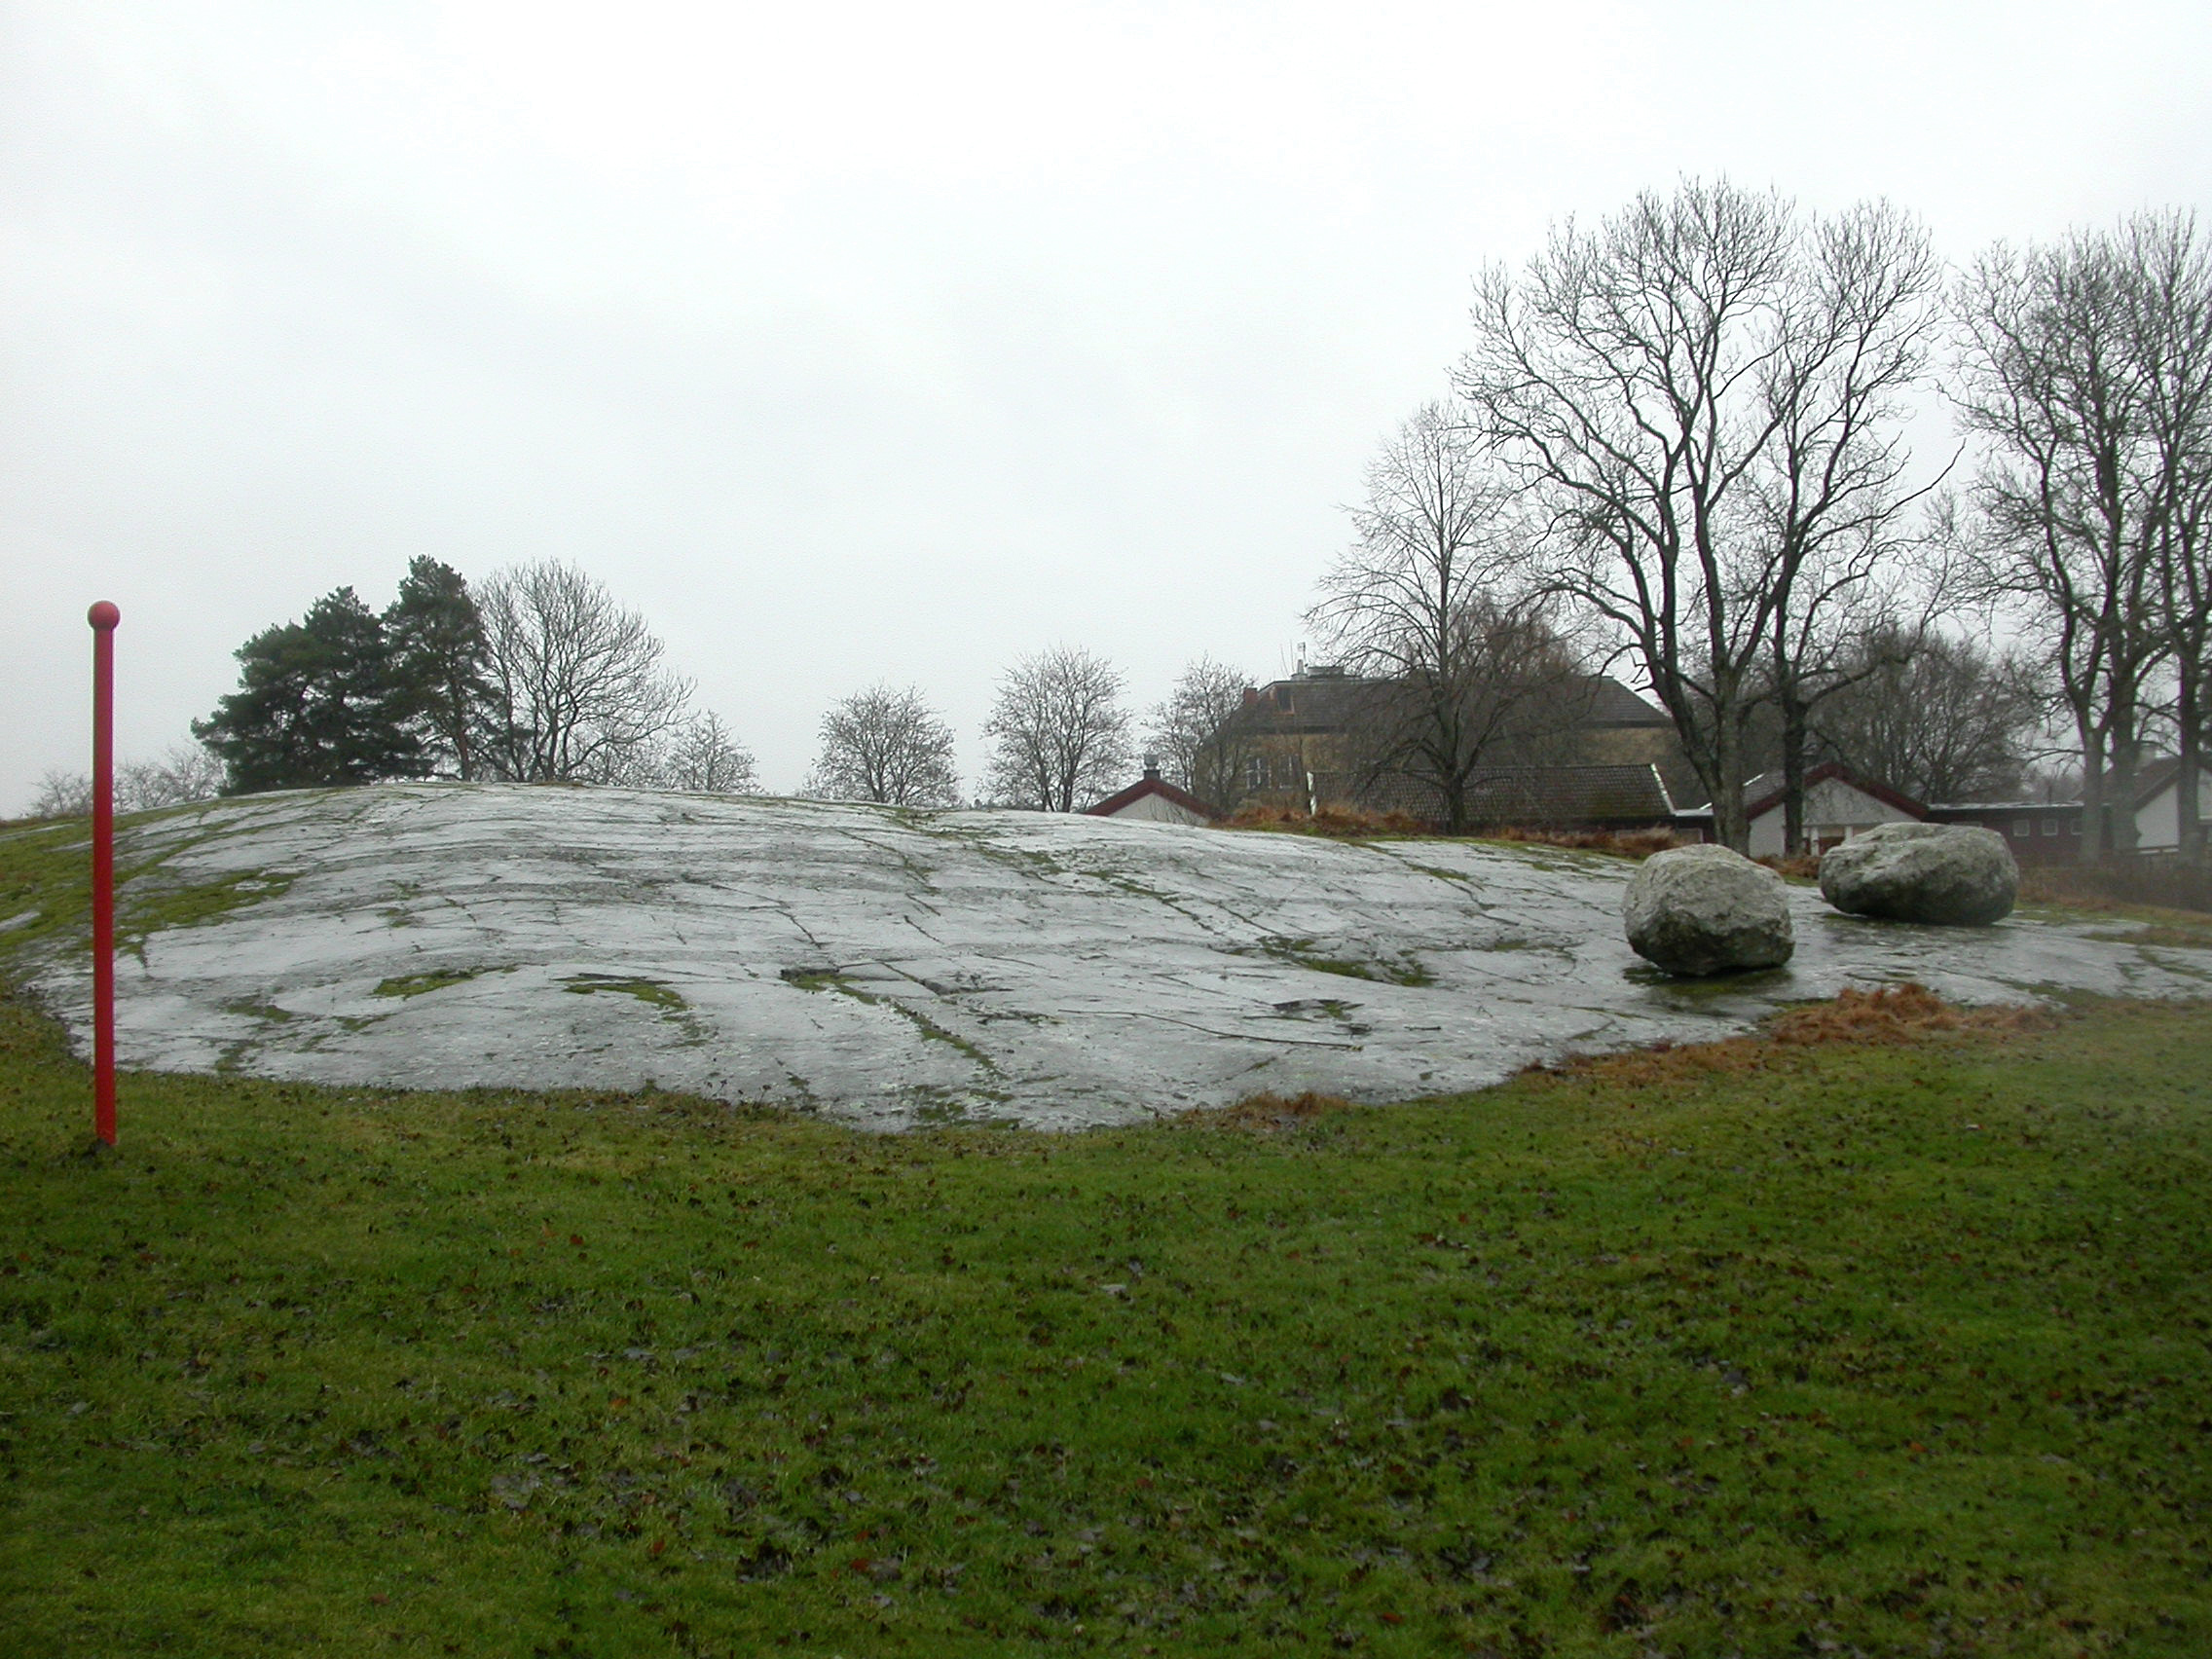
(103, 615)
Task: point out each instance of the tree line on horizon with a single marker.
(1677, 450)
(1677, 446)
(541, 676)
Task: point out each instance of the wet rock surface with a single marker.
(896, 969)
(1942, 875)
(1697, 911)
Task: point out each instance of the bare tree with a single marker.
(886, 745)
(1204, 742)
(2170, 330)
(1940, 717)
(62, 795)
(1058, 733)
(1701, 395)
(1432, 605)
(578, 686)
(2084, 367)
(703, 756)
(186, 772)
(1832, 499)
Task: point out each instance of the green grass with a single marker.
(439, 979)
(1883, 1349)
(649, 991)
(42, 877)
(1300, 953)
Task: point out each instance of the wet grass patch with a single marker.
(649, 991)
(1301, 953)
(2158, 934)
(829, 979)
(1878, 1343)
(437, 980)
(44, 871)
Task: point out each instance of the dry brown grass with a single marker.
(1896, 1013)
(1892, 1017)
(1637, 844)
(2147, 883)
(1804, 867)
(1343, 821)
(1264, 1112)
(1336, 819)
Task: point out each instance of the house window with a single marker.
(2050, 827)
(1256, 773)
(2022, 829)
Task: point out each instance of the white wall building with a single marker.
(2158, 806)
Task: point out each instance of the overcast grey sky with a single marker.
(871, 341)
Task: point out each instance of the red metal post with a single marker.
(103, 617)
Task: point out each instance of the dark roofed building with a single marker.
(1301, 742)
(2038, 832)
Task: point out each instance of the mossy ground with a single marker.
(1894, 1350)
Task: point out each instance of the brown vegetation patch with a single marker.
(1337, 819)
(1891, 1017)
(1896, 1013)
(1343, 821)
(1272, 1111)
(1803, 867)
(1636, 844)
(2183, 938)
(2143, 882)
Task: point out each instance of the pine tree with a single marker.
(318, 704)
(436, 638)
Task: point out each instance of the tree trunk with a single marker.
(1730, 827)
(2120, 794)
(1793, 722)
(461, 757)
(2188, 826)
(2092, 790)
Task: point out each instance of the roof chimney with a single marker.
(1151, 768)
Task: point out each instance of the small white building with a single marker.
(1838, 805)
(1153, 799)
(2158, 806)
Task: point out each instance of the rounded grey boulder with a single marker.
(1703, 910)
(1953, 874)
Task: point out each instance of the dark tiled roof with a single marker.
(1535, 796)
(2157, 775)
(1612, 704)
(1323, 703)
(1327, 703)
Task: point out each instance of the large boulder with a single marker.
(1954, 874)
(1703, 910)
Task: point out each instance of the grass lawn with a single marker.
(1791, 1350)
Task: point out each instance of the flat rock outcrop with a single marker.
(893, 969)
(1703, 910)
(1950, 874)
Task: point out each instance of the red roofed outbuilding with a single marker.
(1152, 799)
